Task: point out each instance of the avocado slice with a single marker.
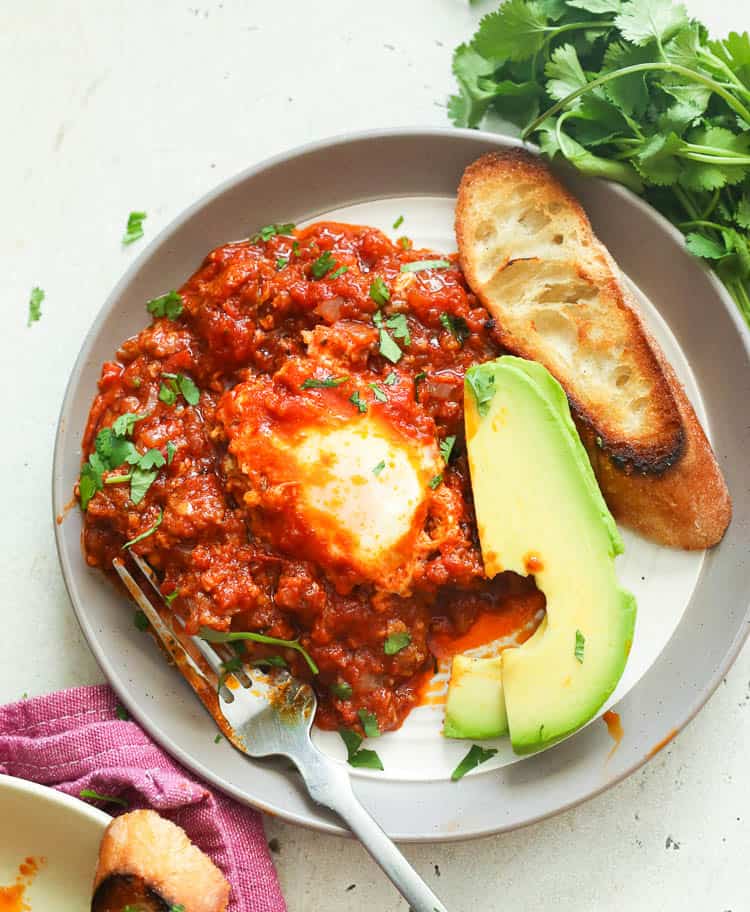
(540, 511)
(475, 707)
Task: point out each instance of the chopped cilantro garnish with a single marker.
(369, 723)
(95, 796)
(379, 468)
(456, 326)
(217, 636)
(217, 739)
(122, 713)
(342, 690)
(418, 378)
(269, 231)
(124, 424)
(378, 392)
(391, 379)
(141, 621)
(295, 248)
(167, 305)
(174, 384)
(323, 265)
(473, 758)
(379, 291)
(356, 756)
(171, 596)
(405, 243)
(314, 383)
(89, 482)
(282, 262)
(356, 400)
(580, 644)
(171, 449)
(395, 642)
(435, 481)
(151, 459)
(149, 531)
(446, 448)
(134, 227)
(35, 305)
(399, 327)
(338, 272)
(420, 265)
(118, 479)
(398, 223)
(482, 385)
(388, 348)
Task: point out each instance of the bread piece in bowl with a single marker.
(148, 863)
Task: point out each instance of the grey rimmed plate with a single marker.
(693, 608)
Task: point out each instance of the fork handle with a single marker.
(329, 784)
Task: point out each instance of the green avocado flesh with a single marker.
(539, 510)
(475, 707)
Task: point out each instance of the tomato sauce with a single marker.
(258, 316)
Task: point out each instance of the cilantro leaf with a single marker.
(641, 21)
(398, 223)
(140, 621)
(171, 450)
(168, 393)
(359, 402)
(378, 392)
(95, 796)
(323, 264)
(456, 326)
(369, 723)
(357, 757)
(167, 305)
(35, 305)
(580, 645)
(282, 263)
(269, 231)
(706, 247)
(89, 482)
(378, 468)
(338, 272)
(446, 448)
(391, 379)
(342, 690)
(564, 73)
(482, 385)
(379, 291)
(399, 327)
(140, 482)
(315, 383)
(516, 31)
(134, 227)
(151, 459)
(388, 348)
(421, 265)
(122, 714)
(473, 759)
(188, 389)
(395, 642)
(123, 425)
(435, 481)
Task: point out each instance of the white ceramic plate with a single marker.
(376, 178)
(62, 831)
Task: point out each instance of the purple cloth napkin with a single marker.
(74, 740)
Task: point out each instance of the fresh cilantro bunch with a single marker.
(633, 91)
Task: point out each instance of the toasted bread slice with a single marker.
(529, 253)
(147, 862)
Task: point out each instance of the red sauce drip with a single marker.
(614, 727)
(13, 897)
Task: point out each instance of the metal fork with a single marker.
(272, 716)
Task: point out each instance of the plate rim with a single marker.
(37, 791)
(58, 503)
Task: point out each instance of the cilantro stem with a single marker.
(701, 223)
(676, 68)
(117, 479)
(217, 636)
(712, 204)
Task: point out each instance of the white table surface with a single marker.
(134, 104)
